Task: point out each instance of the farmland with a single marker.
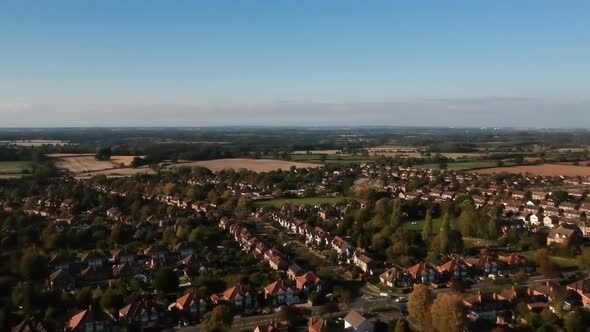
(256, 165)
(301, 201)
(330, 158)
(117, 172)
(86, 165)
(14, 169)
(541, 170)
(34, 142)
(461, 166)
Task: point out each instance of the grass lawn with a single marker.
(418, 225)
(14, 169)
(302, 201)
(473, 242)
(562, 262)
(461, 166)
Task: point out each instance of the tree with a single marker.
(166, 281)
(577, 320)
(33, 266)
(396, 214)
(104, 154)
(219, 318)
(427, 229)
(419, 303)
(288, 314)
(448, 313)
(467, 221)
(329, 308)
(444, 234)
(549, 270)
(493, 228)
(401, 326)
(243, 207)
(121, 234)
(584, 259)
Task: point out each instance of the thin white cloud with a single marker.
(476, 112)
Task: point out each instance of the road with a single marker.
(363, 303)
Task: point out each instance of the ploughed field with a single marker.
(256, 165)
(541, 170)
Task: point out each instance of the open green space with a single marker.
(418, 225)
(562, 262)
(462, 166)
(302, 201)
(15, 169)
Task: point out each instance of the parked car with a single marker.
(401, 299)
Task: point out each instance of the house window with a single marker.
(89, 327)
(99, 326)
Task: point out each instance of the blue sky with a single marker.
(443, 63)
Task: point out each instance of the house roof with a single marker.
(418, 269)
(308, 277)
(92, 314)
(512, 259)
(231, 294)
(317, 324)
(452, 265)
(582, 286)
(138, 308)
(355, 319)
(121, 252)
(154, 248)
(60, 275)
(365, 259)
(92, 254)
(271, 327)
(391, 274)
(29, 324)
(514, 292)
(296, 269)
(276, 286)
(189, 299)
(181, 246)
(562, 232)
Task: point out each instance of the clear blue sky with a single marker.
(474, 63)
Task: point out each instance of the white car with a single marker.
(401, 299)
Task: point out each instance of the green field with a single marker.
(418, 225)
(461, 166)
(15, 169)
(562, 262)
(302, 201)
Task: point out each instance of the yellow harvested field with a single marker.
(62, 155)
(541, 170)
(82, 164)
(122, 160)
(85, 162)
(256, 165)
